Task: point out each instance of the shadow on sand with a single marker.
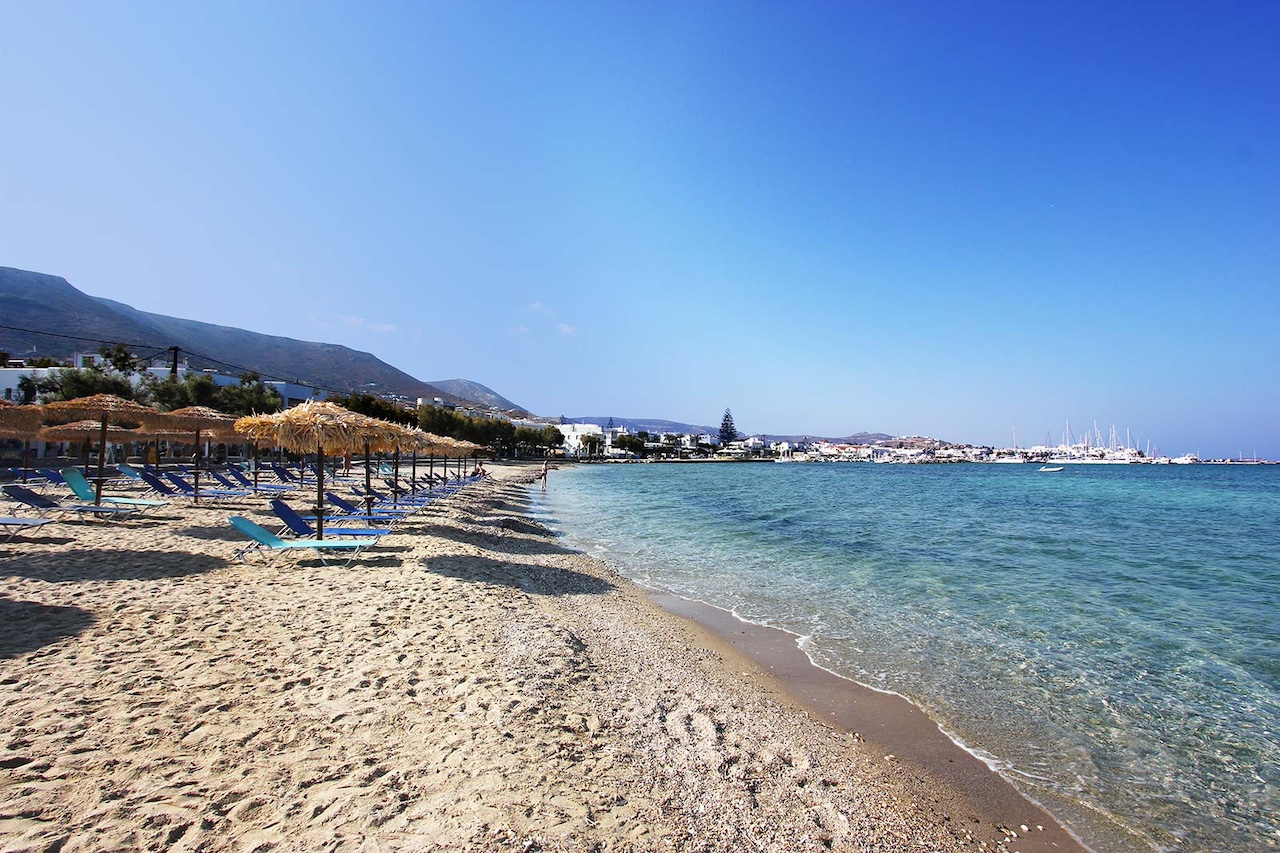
(533, 579)
(13, 547)
(28, 625)
(106, 564)
(216, 533)
(533, 539)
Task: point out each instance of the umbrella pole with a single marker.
(368, 495)
(26, 458)
(196, 498)
(102, 458)
(396, 482)
(320, 493)
(431, 469)
(256, 465)
(413, 477)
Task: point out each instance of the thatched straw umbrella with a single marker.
(437, 445)
(312, 426)
(20, 422)
(431, 444)
(475, 451)
(381, 436)
(84, 432)
(104, 407)
(397, 437)
(258, 430)
(195, 419)
(460, 449)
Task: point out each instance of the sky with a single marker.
(954, 219)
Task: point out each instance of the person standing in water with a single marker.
(543, 475)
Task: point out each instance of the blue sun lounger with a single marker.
(157, 485)
(45, 505)
(190, 491)
(406, 499)
(348, 508)
(244, 481)
(300, 527)
(265, 540)
(13, 526)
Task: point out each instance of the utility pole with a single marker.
(173, 371)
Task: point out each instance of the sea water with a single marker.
(1107, 637)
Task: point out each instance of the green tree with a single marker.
(591, 444)
(497, 434)
(376, 407)
(552, 437)
(169, 393)
(28, 388)
(630, 444)
(528, 439)
(70, 383)
(118, 357)
(251, 397)
(728, 432)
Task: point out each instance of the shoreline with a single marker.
(468, 684)
(888, 721)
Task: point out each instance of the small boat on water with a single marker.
(1051, 469)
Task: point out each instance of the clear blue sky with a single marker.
(940, 218)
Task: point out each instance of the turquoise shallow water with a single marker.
(1108, 637)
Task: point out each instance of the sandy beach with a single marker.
(469, 684)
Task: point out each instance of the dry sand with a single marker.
(469, 684)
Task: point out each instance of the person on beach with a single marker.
(543, 475)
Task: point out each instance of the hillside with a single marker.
(475, 392)
(655, 425)
(650, 425)
(30, 300)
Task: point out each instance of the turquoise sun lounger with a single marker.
(265, 540)
(83, 489)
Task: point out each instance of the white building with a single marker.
(291, 392)
(575, 433)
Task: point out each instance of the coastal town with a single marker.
(587, 441)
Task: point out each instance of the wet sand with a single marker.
(469, 684)
(887, 722)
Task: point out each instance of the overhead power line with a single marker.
(81, 338)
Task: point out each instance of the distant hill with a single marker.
(865, 438)
(477, 393)
(48, 303)
(654, 425)
(651, 425)
(856, 438)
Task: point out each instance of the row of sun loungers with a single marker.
(349, 528)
